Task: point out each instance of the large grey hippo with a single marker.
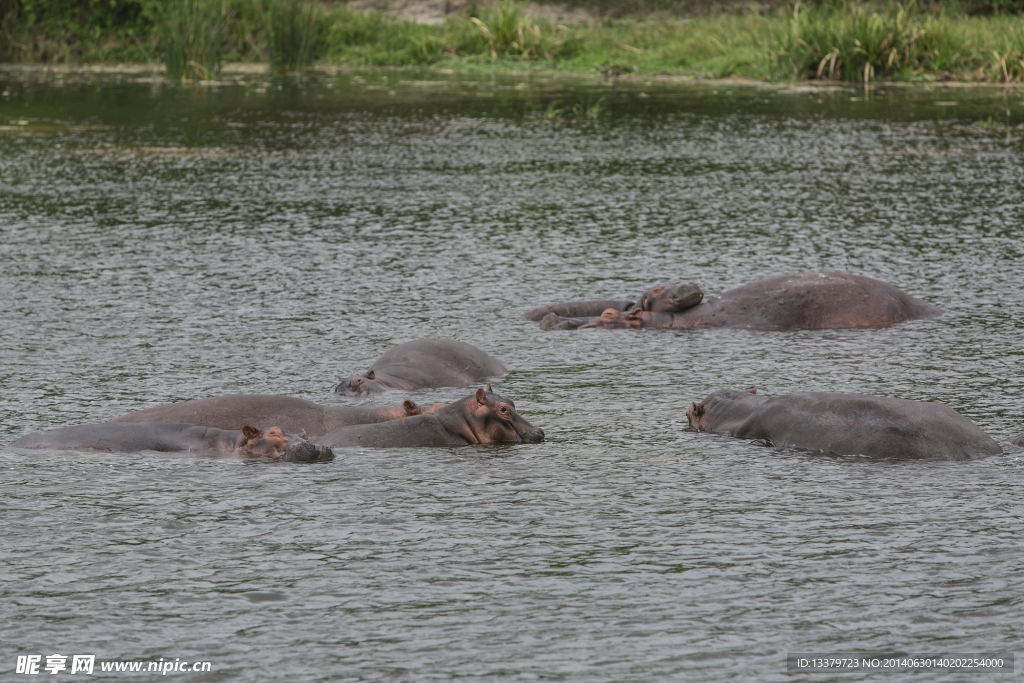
(806, 301)
(268, 410)
(425, 364)
(484, 417)
(114, 437)
(845, 424)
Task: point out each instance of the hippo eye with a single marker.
(503, 410)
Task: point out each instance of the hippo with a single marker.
(424, 364)
(484, 417)
(267, 410)
(806, 301)
(658, 299)
(132, 437)
(844, 424)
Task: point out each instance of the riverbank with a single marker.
(839, 43)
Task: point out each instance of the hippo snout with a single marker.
(532, 435)
(359, 385)
(303, 451)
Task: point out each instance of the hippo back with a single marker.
(264, 411)
(233, 411)
(858, 424)
(809, 301)
(130, 438)
(425, 364)
(420, 430)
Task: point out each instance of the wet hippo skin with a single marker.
(807, 301)
(425, 364)
(268, 410)
(113, 437)
(844, 424)
(484, 417)
(672, 298)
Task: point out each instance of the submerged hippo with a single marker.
(425, 364)
(267, 410)
(484, 417)
(807, 301)
(658, 299)
(845, 424)
(114, 437)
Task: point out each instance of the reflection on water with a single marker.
(165, 243)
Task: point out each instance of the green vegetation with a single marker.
(851, 43)
(292, 32)
(835, 39)
(193, 38)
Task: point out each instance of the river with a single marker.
(165, 242)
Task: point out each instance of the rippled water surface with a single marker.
(163, 243)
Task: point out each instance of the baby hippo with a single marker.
(131, 437)
(484, 417)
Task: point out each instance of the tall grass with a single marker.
(9, 11)
(1008, 62)
(842, 41)
(193, 38)
(292, 31)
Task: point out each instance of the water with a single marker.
(163, 243)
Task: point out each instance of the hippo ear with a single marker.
(411, 407)
(304, 437)
(752, 390)
(697, 409)
(489, 390)
(369, 374)
(480, 397)
(250, 432)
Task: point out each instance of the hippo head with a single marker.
(360, 385)
(277, 443)
(697, 414)
(492, 418)
(671, 299)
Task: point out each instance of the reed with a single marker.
(9, 20)
(193, 38)
(587, 110)
(840, 41)
(1008, 62)
(509, 31)
(590, 111)
(292, 31)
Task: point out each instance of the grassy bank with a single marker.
(837, 41)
